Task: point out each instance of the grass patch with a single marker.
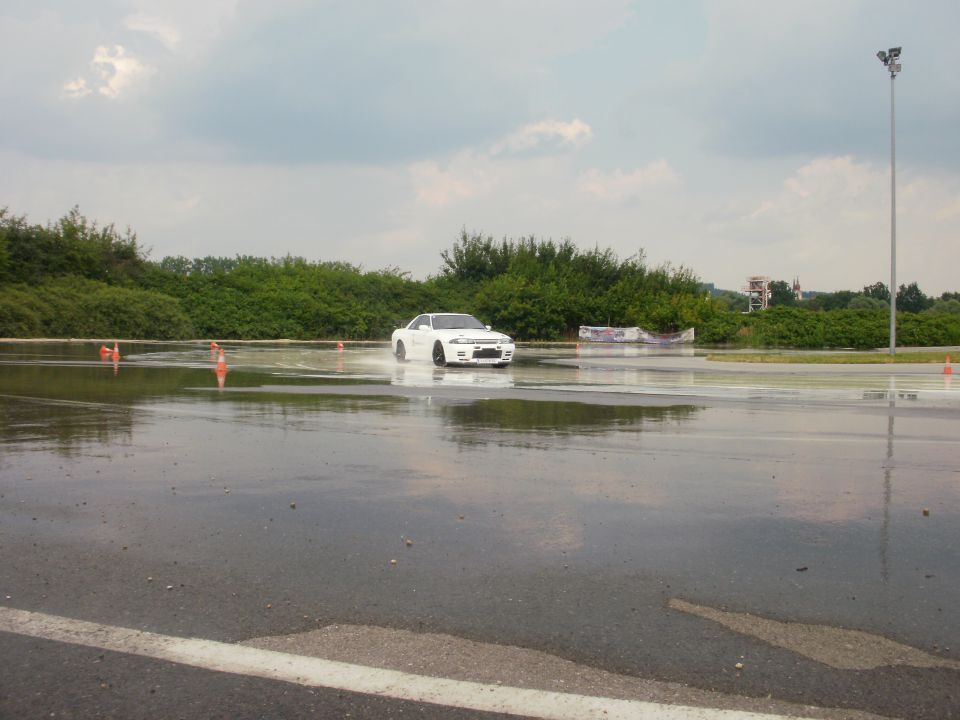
(832, 358)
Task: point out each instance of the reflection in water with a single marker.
(61, 426)
(294, 410)
(221, 367)
(112, 359)
(412, 374)
(887, 488)
(557, 417)
(67, 406)
(92, 383)
(620, 350)
(473, 422)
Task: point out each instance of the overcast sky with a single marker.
(732, 137)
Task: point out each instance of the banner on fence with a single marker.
(634, 335)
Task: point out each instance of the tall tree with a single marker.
(878, 291)
(781, 293)
(910, 298)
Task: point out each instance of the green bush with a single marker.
(74, 279)
(928, 330)
(721, 328)
(17, 318)
(71, 307)
(786, 327)
(860, 329)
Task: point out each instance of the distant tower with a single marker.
(757, 291)
(797, 293)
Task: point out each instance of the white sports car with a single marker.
(451, 339)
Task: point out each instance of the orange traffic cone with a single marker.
(339, 345)
(104, 350)
(214, 345)
(947, 370)
(115, 354)
(221, 362)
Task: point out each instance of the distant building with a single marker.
(797, 292)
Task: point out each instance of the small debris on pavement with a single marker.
(739, 666)
(926, 512)
(802, 568)
(293, 506)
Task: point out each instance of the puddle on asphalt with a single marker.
(722, 500)
(162, 366)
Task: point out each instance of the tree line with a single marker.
(74, 278)
(910, 298)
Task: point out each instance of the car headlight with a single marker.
(507, 340)
(461, 341)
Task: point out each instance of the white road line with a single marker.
(316, 672)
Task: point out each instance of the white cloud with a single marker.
(76, 88)
(836, 177)
(465, 176)
(117, 70)
(551, 134)
(184, 26)
(827, 187)
(472, 173)
(618, 186)
(829, 222)
(160, 29)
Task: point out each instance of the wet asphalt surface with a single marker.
(555, 507)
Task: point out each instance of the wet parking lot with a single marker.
(645, 514)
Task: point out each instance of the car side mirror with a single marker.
(487, 327)
(423, 327)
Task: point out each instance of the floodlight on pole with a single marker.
(891, 60)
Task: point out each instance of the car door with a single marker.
(420, 340)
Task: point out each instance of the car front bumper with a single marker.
(479, 354)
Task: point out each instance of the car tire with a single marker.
(401, 351)
(439, 358)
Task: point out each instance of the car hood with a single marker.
(447, 335)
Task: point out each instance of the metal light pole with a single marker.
(891, 59)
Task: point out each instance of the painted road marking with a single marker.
(317, 672)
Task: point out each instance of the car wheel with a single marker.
(401, 351)
(439, 358)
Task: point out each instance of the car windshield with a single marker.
(457, 322)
